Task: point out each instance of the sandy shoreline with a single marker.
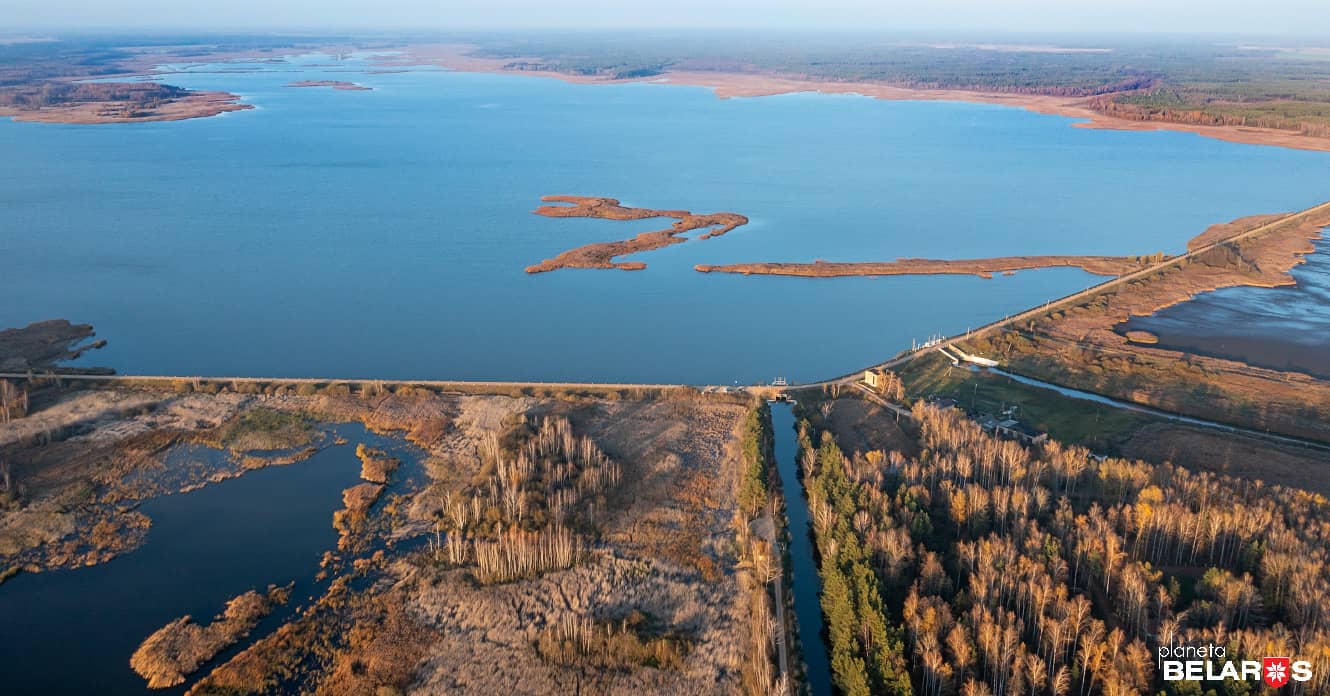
(725, 85)
(730, 85)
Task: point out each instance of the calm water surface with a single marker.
(383, 233)
(805, 583)
(1285, 328)
(73, 631)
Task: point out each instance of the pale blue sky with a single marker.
(1300, 17)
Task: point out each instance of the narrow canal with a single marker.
(805, 585)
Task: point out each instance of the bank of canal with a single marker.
(805, 584)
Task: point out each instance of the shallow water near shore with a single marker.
(1284, 328)
(73, 631)
(383, 233)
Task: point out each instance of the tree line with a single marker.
(983, 567)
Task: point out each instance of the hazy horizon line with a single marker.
(52, 32)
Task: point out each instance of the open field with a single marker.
(1101, 427)
(1203, 450)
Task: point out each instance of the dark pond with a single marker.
(73, 631)
(1285, 328)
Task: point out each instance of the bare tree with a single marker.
(9, 398)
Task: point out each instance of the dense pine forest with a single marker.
(983, 567)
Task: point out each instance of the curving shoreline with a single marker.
(133, 100)
(603, 254)
(724, 84)
(728, 85)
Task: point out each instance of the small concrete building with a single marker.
(943, 403)
(1017, 430)
(1013, 429)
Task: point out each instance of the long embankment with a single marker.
(473, 384)
(1319, 215)
(603, 254)
(459, 386)
(984, 268)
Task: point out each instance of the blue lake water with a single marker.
(383, 233)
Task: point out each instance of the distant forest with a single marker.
(41, 74)
(1195, 81)
(137, 96)
(1191, 81)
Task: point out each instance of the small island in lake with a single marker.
(112, 102)
(602, 254)
(335, 84)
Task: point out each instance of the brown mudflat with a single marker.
(984, 268)
(603, 254)
(1226, 230)
(1142, 337)
(40, 345)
